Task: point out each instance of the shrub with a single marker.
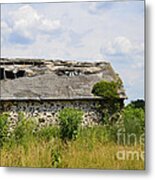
(70, 120)
(3, 128)
(106, 89)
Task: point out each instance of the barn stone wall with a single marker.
(46, 112)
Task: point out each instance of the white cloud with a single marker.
(25, 12)
(120, 45)
(48, 25)
(124, 51)
(27, 23)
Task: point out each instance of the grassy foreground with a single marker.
(117, 143)
(92, 149)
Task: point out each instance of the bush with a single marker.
(3, 128)
(70, 120)
(106, 89)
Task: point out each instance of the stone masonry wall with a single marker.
(46, 112)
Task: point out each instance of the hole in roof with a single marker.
(68, 72)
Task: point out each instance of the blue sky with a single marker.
(84, 31)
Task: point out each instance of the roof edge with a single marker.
(52, 99)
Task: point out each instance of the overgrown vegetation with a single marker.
(112, 105)
(70, 120)
(134, 120)
(24, 130)
(87, 147)
(46, 133)
(3, 129)
(130, 127)
(105, 89)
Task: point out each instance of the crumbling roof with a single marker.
(49, 79)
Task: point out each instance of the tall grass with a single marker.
(94, 147)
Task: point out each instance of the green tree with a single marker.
(139, 103)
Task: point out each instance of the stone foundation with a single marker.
(46, 112)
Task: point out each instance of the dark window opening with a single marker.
(68, 72)
(20, 73)
(1, 73)
(9, 75)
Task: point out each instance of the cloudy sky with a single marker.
(84, 31)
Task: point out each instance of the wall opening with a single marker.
(68, 72)
(1, 73)
(9, 75)
(20, 73)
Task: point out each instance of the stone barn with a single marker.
(41, 88)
